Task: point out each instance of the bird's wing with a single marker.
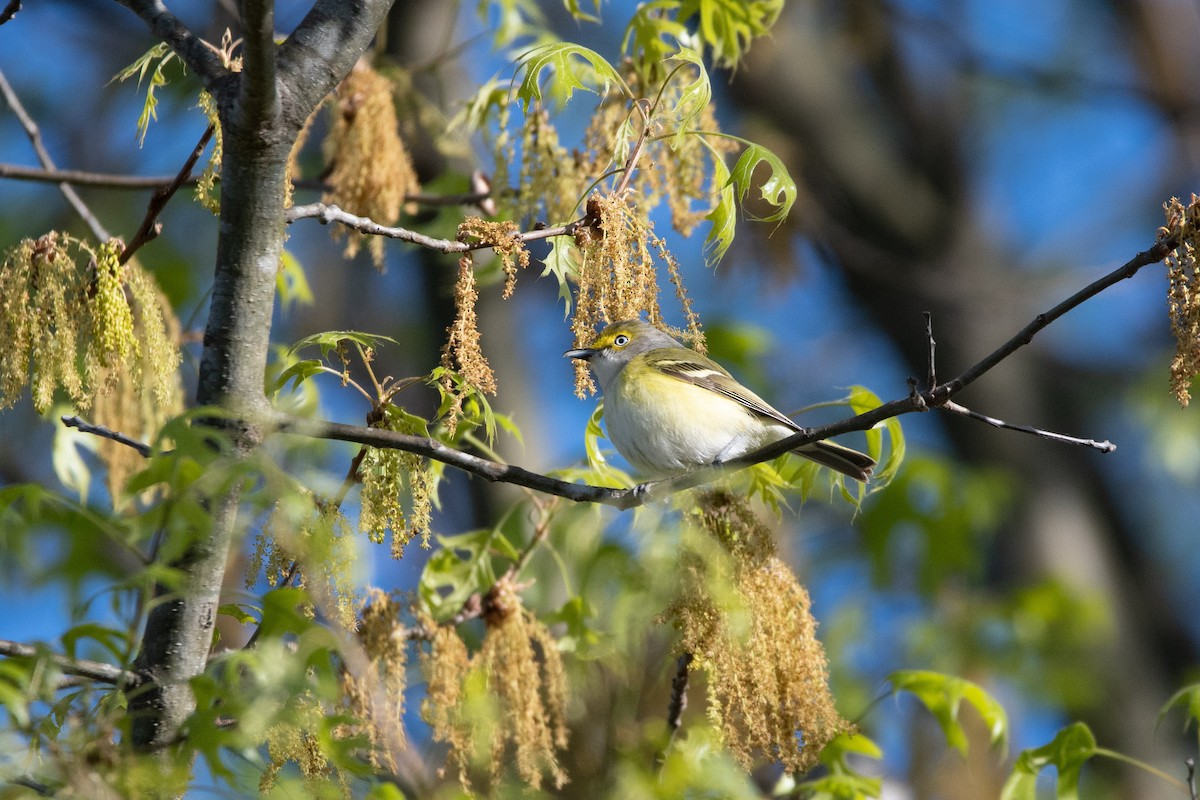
(708, 374)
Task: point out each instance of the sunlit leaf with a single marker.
(330, 341)
(862, 400)
(724, 29)
(723, 215)
(695, 95)
(845, 781)
(291, 284)
(159, 56)
(943, 695)
(1187, 698)
(776, 189)
(238, 612)
(563, 263)
(570, 67)
(1067, 753)
(575, 9)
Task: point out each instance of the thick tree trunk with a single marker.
(262, 110)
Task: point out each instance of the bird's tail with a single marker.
(843, 459)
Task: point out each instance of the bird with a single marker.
(670, 410)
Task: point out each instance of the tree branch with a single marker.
(35, 138)
(679, 685)
(192, 50)
(1024, 336)
(954, 408)
(150, 227)
(92, 670)
(82, 178)
(10, 11)
(99, 430)
(935, 397)
(258, 95)
(323, 48)
(325, 214)
(473, 464)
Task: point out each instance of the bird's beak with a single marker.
(583, 353)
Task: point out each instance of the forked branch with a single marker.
(938, 396)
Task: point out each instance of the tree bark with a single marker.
(261, 111)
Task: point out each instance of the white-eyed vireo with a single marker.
(669, 409)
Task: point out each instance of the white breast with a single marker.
(695, 429)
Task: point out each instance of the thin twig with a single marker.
(35, 138)
(84, 668)
(1190, 763)
(150, 226)
(31, 784)
(82, 178)
(471, 609)
(955, 408)
(540, 531)
(99, 430)
(325, 214)
(465, 199)
(931, 378)
(631, 162)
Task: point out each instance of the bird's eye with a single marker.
(621, 340)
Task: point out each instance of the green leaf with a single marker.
(563, 263)
(834, 754)
(602, 472)
(943, 696)
(298, 373)
(461, 568)
(14, 691)
(723, 28)
(862, 400)
(575, 9)
(385, 791)
(291, 284)
(844, 781)
(842, 787)
(238, 612)
(493, 95)
(580, 637)
(777, 189)
(282, 613)
(571, 67)
(159, 55)
(1067, 753)
(723, 215)
(1189, 699)
(112, 640)
(652, 36)
(694, 97)
(330, 341)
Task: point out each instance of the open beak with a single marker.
(583, 353)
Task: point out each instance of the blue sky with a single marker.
(1069, 185)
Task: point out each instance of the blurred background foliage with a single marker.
(980, 161)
